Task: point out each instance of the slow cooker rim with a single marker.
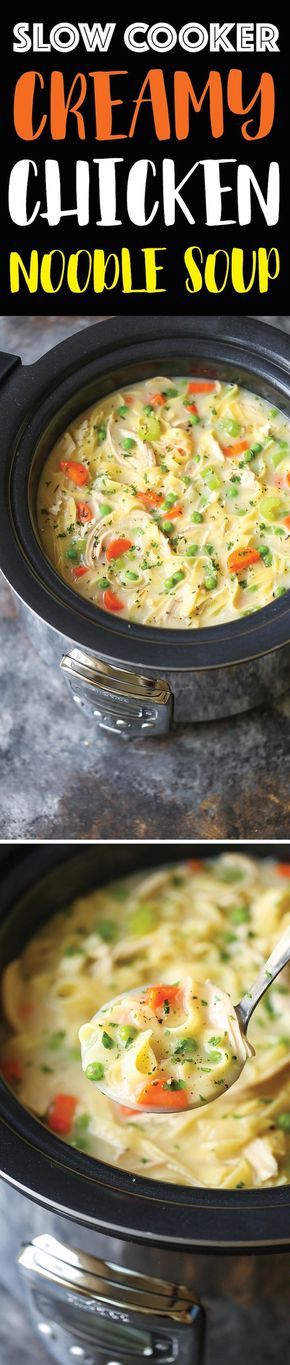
(32, 575)
(53, 1160)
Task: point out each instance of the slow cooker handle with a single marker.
(7, 363)
(122, 703)
(106, 1314)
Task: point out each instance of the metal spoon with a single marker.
(241, 1016)
(278, 959)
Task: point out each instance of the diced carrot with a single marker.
(158, 996)
(79, 571)
(75, 471)
(128, 398)
(284, 869)
(195, 865)
(287, 521)
(191, 407)
(61, 1113)
(174, 512)
(118, 547)
(84, 512)
(11, 1069)
(241, 559)
(236, 449)
(157, 1095)
(288, 477)
(201, 386)
(150, 499)
(158, 398)
(111, 601)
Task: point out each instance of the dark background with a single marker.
(69, 237)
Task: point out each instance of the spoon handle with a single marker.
(277, 960)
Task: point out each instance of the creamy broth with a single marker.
(169, 505)
(218, 919)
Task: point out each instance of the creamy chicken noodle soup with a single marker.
(156, 1047)
(169, 504)
(215, 920)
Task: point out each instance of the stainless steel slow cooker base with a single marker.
(101, 1301)
(130, 703)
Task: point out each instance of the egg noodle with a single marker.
(170, 504)
(216, 919)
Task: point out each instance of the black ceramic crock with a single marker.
(99, 1247)
(134, 679)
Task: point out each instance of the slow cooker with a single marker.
(134, 679)
(116, 1269)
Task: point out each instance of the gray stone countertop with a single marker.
(61, 779)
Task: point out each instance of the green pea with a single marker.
(167, 527)
(193, 418)
(148, 409)
(127, 1034)
(283, 1121)
(266, 555)
(172, 582)
(132, 577)
(107, 929)
(239, 914)
(72, 949)
(210, 581)
(142, 920)
(214, 1055)
(73, 554)
(105, 509)
(101, 434)
(56, 1040)
(82, 1123)
(232, 490)
(122, 411)
(128, 443)
(95, 1071)
(107, 1041)
(104, 583)
(169, 500)
(197, 517)
(191, 551)
(280, 592)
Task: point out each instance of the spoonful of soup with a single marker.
(174, 1047)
